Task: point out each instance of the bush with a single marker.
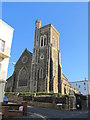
(43, 93)
(20, 93)
(33, 93)
(11, 93)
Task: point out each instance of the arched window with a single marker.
(41, 41)
(45, 40)
(41, 73)
(23, 77)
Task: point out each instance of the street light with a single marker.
(13, 63)
(10, 69)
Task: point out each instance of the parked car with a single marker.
(5, 99)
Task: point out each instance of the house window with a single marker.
(2, 45)
(84, 83)
(79, 86)
(84, 88)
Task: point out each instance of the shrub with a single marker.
(33, 93)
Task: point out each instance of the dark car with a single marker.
(5, 99)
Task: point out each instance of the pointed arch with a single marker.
(45, 40)
(41, 41)
(23, 77)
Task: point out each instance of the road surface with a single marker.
(38, 113)
(51, 113)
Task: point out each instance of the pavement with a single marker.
(35, 113)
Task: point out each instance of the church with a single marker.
(42, 70)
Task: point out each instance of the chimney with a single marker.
(85, 78)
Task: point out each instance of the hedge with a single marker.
(34, 93)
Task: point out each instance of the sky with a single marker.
(70, 19)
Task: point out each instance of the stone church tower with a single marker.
(40, 71)
(46, 68)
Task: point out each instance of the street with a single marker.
(51, 113)
(35, 113)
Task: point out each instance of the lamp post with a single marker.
(13, 63)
